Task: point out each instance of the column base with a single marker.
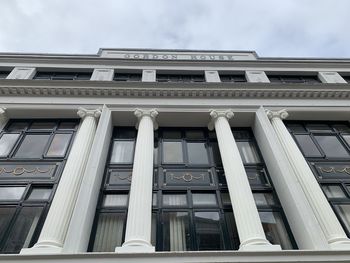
(41, 250)
(262, 247)
(135, 246)
(343, 244)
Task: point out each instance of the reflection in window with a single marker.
(344, 213)
(109, 232)
(59, 145)
(115, 200)
(197, 153)
(307, 145)
(40, 193)
(274, 229)
(248, 152)
(174, 200)
(204, 199)
(123, 152)
(33, 146)
(333, 191)
(208, 231)
(332, 147)
(6, 214)
(11, 193)
(7, 142)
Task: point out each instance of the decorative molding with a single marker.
(281, 114)
(82, 113)
(152, 113)
(214, 114)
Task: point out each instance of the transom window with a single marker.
(232, 77)
(32, 156)
(63, 75)
(160, 77)
(127, 77)
(326, 147)
(294, 79)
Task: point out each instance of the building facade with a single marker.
(185, 156)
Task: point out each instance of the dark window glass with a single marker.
(197, 153)
(332, 147)
(127, 77)
(307, 145)
(176, 233)
(32, 146)
(347, 78)
(248, 152)
(4, 74)
(232, 78)
(318, 127)
(23, 229)
(180, 78)
(293, 79)
(6, 214)
(59, 145)
(333, 191)
(296, 127)
(40, 193)
(208, 231)
(63, 75)
(43, 125)
(11, 193)
(66, 125)
(17, 126)
(201, 199)
(343, 210)
(7, 142)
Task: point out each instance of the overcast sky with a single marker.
(301, 28)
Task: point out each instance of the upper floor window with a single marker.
(127, 77)
(4, 74)
(274, 78)
(161, 77)
(346, 78)
(63, 75)
(232, 77)
(326, 147)
(32, 156)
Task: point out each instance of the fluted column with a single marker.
(54, 231)
(138, 225)
(328, 221)
(250, 230)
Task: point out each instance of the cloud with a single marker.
(307, 28)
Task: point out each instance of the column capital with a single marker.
(281, 114)
(152, 113)
(3, 115)
(214, 114)
(82, 112)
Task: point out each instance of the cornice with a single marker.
(173, 90)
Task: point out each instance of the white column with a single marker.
(138, 225)
(250, 230)
(3, 118)
(79, 230)
(328, 221)
(54, 231)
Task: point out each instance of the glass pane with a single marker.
(333, 191)
(318, 127)
(208, 231)
(226, 200)
(11, 193)
(109, 232)
(17, 126)
(7, 142)
(59, 145)
(123, 152)
(172, 152)
(256, 177)
(154, 230)
(275, 230)
(65, 125)
(347, 139)
(154, 200)
(342, 128)
(43, 125)
(115, 200)
(296, 127)
(344, 212)
(216, 153)
(194, 134)
(6, 214)
(23, 230)
(232, 230)
(248, 152)
(204, 199)
(176, 232)
(174, 200)
(307, 145)
(40, 193)
(32, 146)
(264, 199)
(331, 146)
(197, 153)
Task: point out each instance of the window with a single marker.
(326, 147)
(160, 77)
(32, 157)
(127, 77)
(232, 77)
(63, 75)
(110, 220)
(4, 74)
(346, 78)
(294, 79)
